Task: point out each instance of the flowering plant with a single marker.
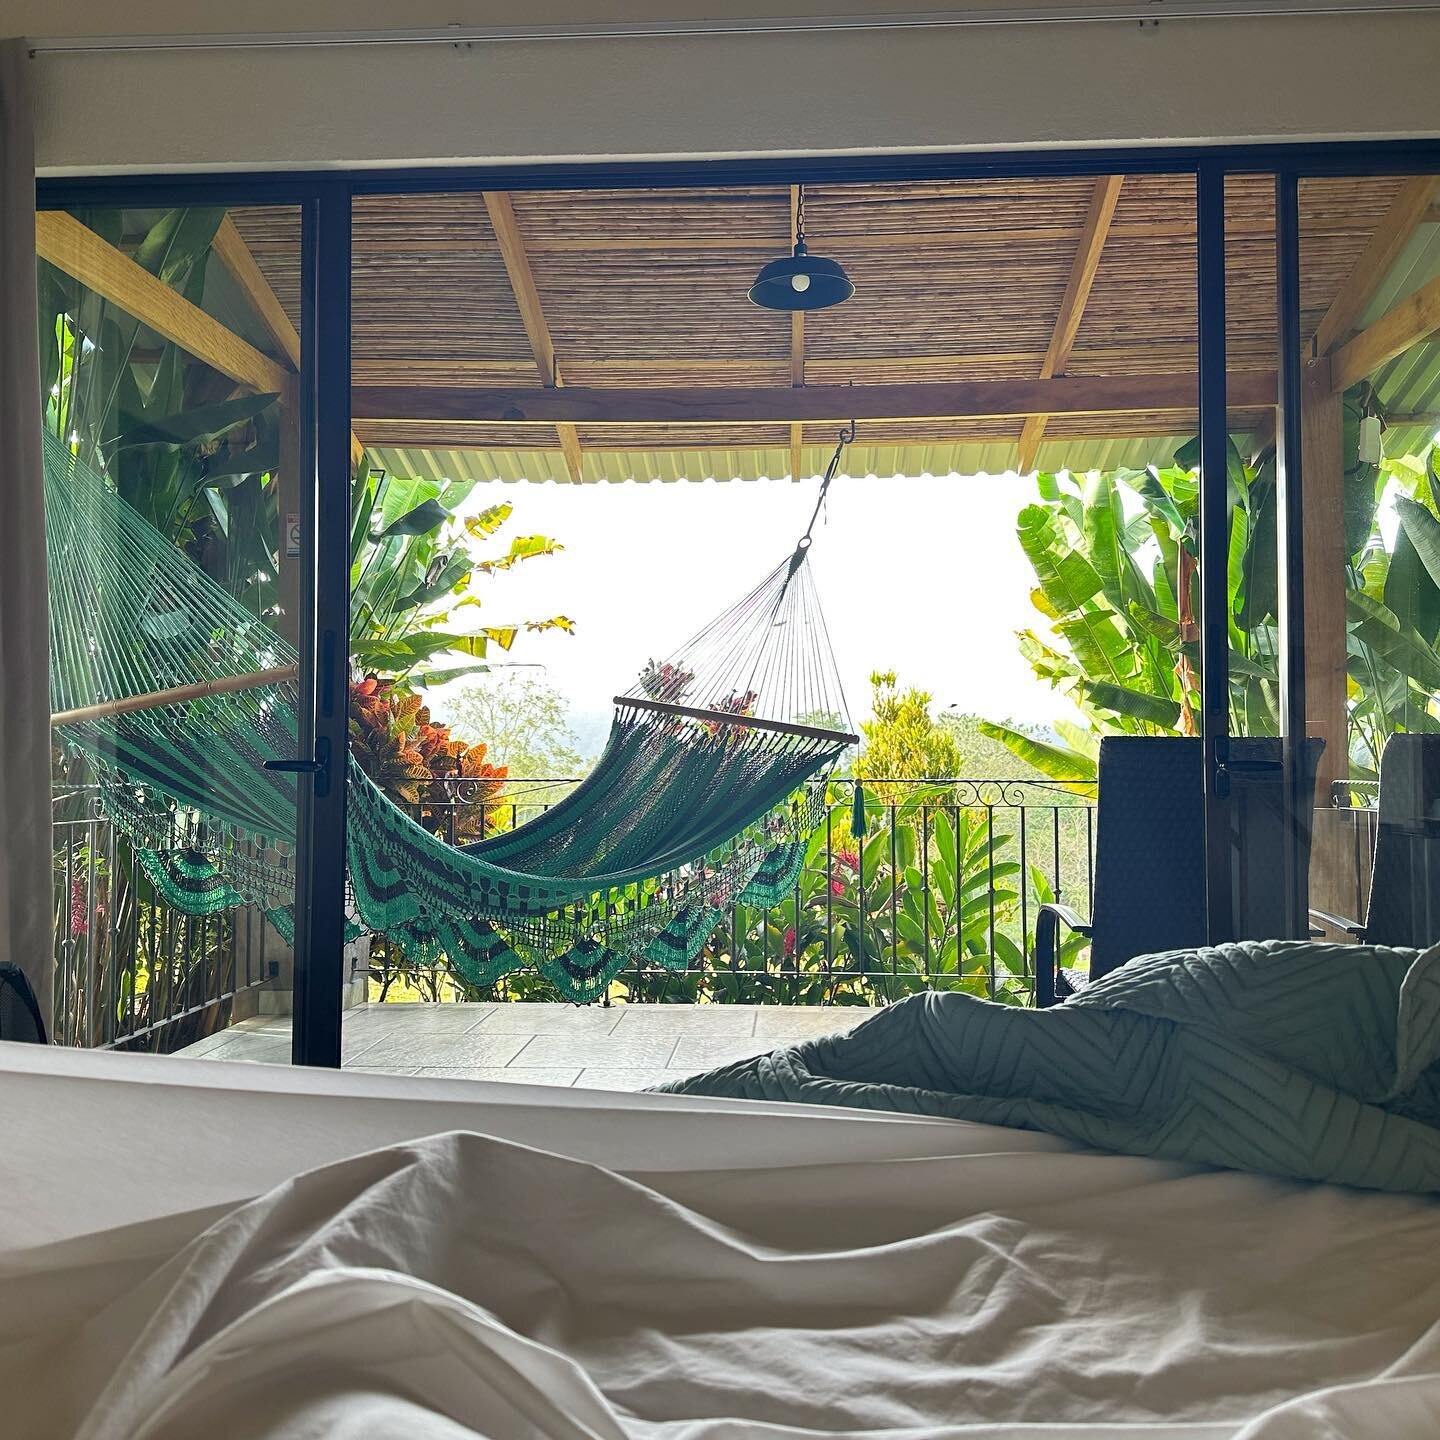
(405, 752)
(665, 681)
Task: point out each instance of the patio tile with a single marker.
(523, 1019)
(799, 1022)
(273, 1023)
(445, 1019)
(253, 1051)
(704, 1052)
(509, 1074)
(615, 1051)
(428, 1050)
(204, 1049)
(623, 1047)
(678, 1020)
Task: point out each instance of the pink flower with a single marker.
(789, 946)
(837, 887)
(848, 858)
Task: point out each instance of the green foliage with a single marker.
(192, 458)
(930, 900)
(524, 721)
(1115, 557)
(414, 563)
(903, 740)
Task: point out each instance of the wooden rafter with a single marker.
(745, 405)
(114, 276)
(1415, 318)
(797, 345)
(532, 316)
(1411, 207)
(230, 248)
(1072, 304)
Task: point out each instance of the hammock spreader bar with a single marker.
(721, 717)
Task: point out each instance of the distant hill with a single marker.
(591, 728)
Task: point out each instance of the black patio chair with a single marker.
(19, 1014)
(1149, 888)
(1404, 903)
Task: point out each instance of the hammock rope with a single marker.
(711, 779)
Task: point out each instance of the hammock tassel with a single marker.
(857, 812)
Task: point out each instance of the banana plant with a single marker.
(1115, 557)
(415, 559)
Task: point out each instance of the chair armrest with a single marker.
(1048, 920)
(1339, 922)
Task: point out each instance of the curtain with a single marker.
(25, 865)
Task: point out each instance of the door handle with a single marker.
(319, 766)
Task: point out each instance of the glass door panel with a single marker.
(1255, 852)
(1369, 279)
(175, 468)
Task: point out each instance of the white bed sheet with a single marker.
(664, 1268)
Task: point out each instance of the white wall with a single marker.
(1272, 78)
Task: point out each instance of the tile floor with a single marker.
(625, 1047)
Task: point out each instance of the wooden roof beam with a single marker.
(1415, 318)
(532, 316)
(1412, 206)
(744, 405)
(236, 256)
(230, 247)
(1072, 304)
(114, 276)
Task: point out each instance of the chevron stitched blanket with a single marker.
(1316, 1062)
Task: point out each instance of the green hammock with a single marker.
(711, 779)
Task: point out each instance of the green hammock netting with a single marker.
(710, 780)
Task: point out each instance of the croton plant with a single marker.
(408, 755)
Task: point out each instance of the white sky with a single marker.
(920, 575)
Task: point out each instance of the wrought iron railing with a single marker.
(131, 971)
(941, 891)
(1343, 848)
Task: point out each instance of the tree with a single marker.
(903, 740)
(523, 720)
(414, 568)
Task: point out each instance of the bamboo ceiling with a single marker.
(643, 290)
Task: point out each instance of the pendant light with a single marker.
(801, 281)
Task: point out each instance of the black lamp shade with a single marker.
(801, 282)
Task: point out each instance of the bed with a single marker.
(195, 1248)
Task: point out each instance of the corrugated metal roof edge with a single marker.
(618, 467)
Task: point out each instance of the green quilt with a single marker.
(1316, 1062)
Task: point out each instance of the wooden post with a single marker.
(1323, 459)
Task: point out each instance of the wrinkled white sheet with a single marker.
(700, 1272)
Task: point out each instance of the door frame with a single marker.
(325, 198)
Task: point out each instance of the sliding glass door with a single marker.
(1365, 251)
(175, 339)
(204, 483)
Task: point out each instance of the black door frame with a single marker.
(325, 198)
